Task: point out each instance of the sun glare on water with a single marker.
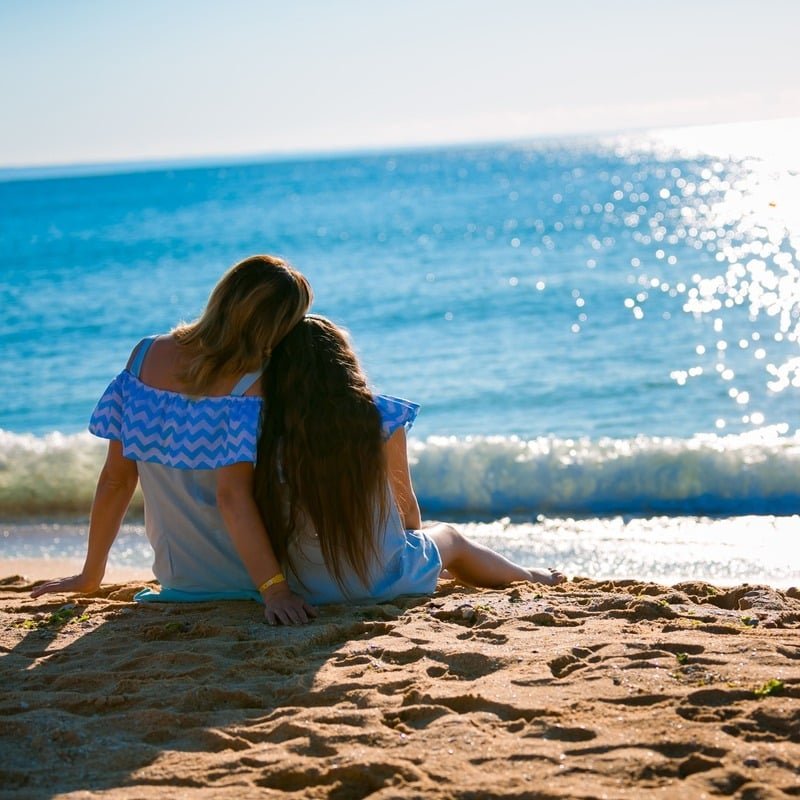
(742, 205)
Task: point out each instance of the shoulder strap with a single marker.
(245, 382)
(141, 351)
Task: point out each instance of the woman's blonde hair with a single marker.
(320, 452)
(254, 305)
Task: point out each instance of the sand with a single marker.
(588, 690)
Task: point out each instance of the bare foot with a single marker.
(549, 576)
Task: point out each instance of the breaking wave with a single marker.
(753, 473)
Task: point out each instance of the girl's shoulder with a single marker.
(395, 412)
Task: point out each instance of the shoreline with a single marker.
(40, 569)
(36, 569)
(592, 688)
(726, 552)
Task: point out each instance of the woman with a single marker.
(183, 419)
(333, 483)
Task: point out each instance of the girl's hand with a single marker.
(77, 583)
(281, 605)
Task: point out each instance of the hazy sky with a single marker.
(84, 80)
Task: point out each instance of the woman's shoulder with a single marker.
(156, 349)
(160, 362)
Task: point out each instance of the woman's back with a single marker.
(179, 442)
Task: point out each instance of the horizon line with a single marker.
(142, 163)
(134, 164)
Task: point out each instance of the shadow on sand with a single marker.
(95, 694)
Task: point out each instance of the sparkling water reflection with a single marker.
(577, 288)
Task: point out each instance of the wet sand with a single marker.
(591, 689)
(49, 568)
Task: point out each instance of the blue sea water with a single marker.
(592, 327)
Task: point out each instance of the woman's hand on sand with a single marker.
(76, 583)
(282, 606)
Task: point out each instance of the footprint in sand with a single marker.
(577, 658)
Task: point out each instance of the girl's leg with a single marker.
(477, 565)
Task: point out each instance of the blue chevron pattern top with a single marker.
(169, 428)
(172, 429)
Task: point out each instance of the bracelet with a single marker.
(279, 578)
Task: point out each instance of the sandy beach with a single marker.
(615, 689)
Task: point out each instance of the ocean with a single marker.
(603, 333)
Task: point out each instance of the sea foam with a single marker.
(753, 473)
(51, 474)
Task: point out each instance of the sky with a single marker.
(85, 81)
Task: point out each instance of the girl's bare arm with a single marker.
(400, 480)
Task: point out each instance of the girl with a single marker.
(182, 419)
(333, 483)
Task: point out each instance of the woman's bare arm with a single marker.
(115, 487)
(400, 480)
(249, 536)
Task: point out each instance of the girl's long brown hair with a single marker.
(254, 304)
(320, 453)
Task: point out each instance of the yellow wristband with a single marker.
(279, 578)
